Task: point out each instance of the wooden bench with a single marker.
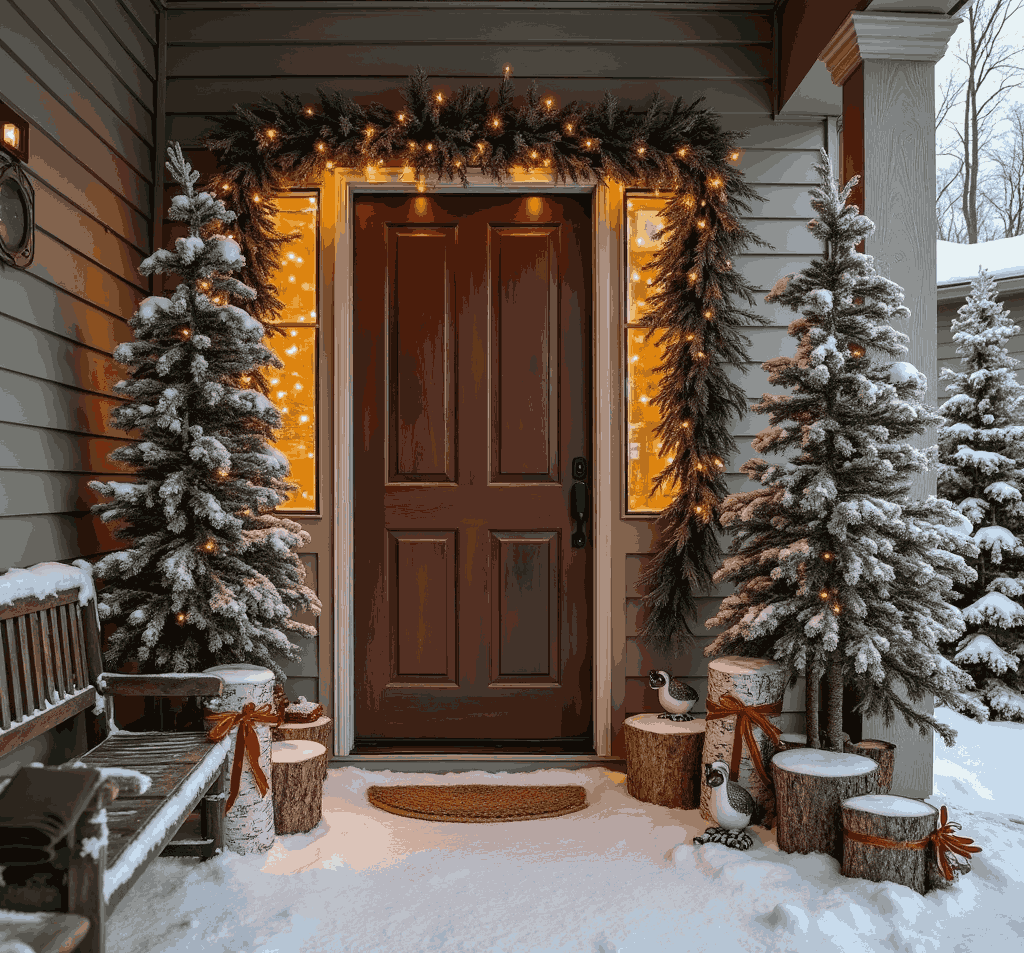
(50, 669)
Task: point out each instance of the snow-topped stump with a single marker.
(810, 785)
(750, 683)
(663, 763)
(299, 769)
(898, 820)
(881, 752)
(249, 825)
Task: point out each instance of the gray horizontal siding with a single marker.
(84, 75)
(947, 312)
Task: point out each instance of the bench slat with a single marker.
(5, 681)
(33, 680)
(48, 618)
(10, 648)
(41, 656)
(78, 658)
(41, 722)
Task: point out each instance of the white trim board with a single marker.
(338, 228)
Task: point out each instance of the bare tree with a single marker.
(1003, 188)
(989, 69)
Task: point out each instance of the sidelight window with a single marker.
(294, 388)
(643, 448)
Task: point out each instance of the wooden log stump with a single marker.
(882, 752)
(318, 731)
(298, 785)
(810, 786)
(663, 760)
(898, 819)
(753, 681)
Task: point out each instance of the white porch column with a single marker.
(885, 63)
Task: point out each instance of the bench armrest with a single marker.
(184, 683)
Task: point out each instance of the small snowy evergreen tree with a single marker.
(839, 572)
(211, 575)
(981, 457)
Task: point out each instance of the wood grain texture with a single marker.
(906, 866)
(45, 933)
(809, 812)
(881, 752)
(664, 767)
(319, 731)
(299, 769)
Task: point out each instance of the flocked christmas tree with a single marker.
(839, 571)
(210, 575)
(981, 457)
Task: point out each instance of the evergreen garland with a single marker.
(679, 148)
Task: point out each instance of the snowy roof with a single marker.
(958, 264)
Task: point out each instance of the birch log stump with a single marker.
(882, 752)
(754, 681)
(896, 819)
(663, 760)
(249, 825)
(318, 731)
(299, 768)
(810, 786)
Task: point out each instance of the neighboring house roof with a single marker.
(957, 266)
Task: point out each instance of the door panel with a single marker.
(471, 357)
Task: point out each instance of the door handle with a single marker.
(578, 510)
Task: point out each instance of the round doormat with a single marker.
(478, 803)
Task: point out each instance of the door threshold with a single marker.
(441, 763)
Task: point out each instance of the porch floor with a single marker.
(619, 876)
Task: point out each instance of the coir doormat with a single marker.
(478, 803)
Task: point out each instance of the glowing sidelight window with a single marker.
(294, 388)
(643, 457)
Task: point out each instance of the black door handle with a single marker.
(578, 511)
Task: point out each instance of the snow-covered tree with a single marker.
(981, 457)
(211, 575)
(839, 571)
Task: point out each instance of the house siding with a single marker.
(84, 74)
(220, 54)
(1011, 300)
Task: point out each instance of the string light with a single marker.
(682, 152)
(588, 143)
(181, 617)
(533, 155)
(440, 98)
(836, 609)
(271, 133)
(330, 165)
(508, 69)
(430, 147)
(689, 337)
(701, 224)
(309, 110)
(549, 103)
(734, 155)
(709, 314)
(715, 183)
(826, 556)
(495, 122)
(257, 199)
(856, 350)
(686, 424)
(401, 117)
(369, 131)
(209, 545)
(185, 333)
(568, 127)
(222, 473)
(823, 594)
(246, 379)
(641, 149)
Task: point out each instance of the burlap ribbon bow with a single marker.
(942, 837)
(246, 742)
(746, 715)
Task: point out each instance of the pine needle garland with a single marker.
(679, 148)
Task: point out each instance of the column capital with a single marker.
(886, 36)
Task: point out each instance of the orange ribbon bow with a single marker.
(745, 714)
(942, 837)
(246, 742)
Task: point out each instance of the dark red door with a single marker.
(471, 399)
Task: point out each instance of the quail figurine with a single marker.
(675, 696)
(732, 807)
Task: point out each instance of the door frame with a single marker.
(339, 190)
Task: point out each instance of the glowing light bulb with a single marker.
(439, 97)
(635, 358)
(291, 255)
(826, 556)
(698, 509)
(635, 275)
(734, 155)
(686, 424)
(495, 123)
(588, 143)
(320, 147)
(222, 473)
(709, 314)
(209, 545)
(689, 337)
(568, 127)
(304, 418)
(641, 149)
(836, 609)
(271, 133)
(309, 111)
(430, 147)
(643, 398)
(185, 333)
(823, 594)
(682, 152)
(549, 103)
(181, 617)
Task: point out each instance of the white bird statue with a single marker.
(675, 696)
(732, 807)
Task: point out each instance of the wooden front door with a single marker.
(471, 400)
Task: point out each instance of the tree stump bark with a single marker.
(318, 731)
(882, 752)
(298, 768)
(810, 786)
(663, 760)
(899, 819)
(753, 681)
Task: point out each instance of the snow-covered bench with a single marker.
(50, 668)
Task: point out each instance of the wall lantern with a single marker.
(17, 198)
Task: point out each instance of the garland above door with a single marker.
(681, 149)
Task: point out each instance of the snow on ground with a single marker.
(1002, 258)
(619, 877)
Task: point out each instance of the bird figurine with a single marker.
(732, 806)
(675, 696)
